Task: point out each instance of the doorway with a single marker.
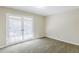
(19, 28)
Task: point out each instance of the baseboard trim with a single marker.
(64, 41)
(20, 42)
(42, 37)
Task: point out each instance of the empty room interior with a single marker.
(39, 29)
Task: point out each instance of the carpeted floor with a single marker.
(44, 45)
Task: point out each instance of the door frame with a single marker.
(7, 31)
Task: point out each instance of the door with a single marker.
(28, 28)
(14, 30)
(19, 29)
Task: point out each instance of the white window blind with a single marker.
(19, 29)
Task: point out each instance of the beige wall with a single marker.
(39, 29)
(64, 26)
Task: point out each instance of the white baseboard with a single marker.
(20, 42)
(63, 40)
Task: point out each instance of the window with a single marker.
(19, 29)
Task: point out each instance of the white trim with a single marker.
(6, 17)
(63, 40)
(8, 24)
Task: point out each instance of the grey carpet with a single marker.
(44, 45)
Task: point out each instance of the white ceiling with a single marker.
(44, 11)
